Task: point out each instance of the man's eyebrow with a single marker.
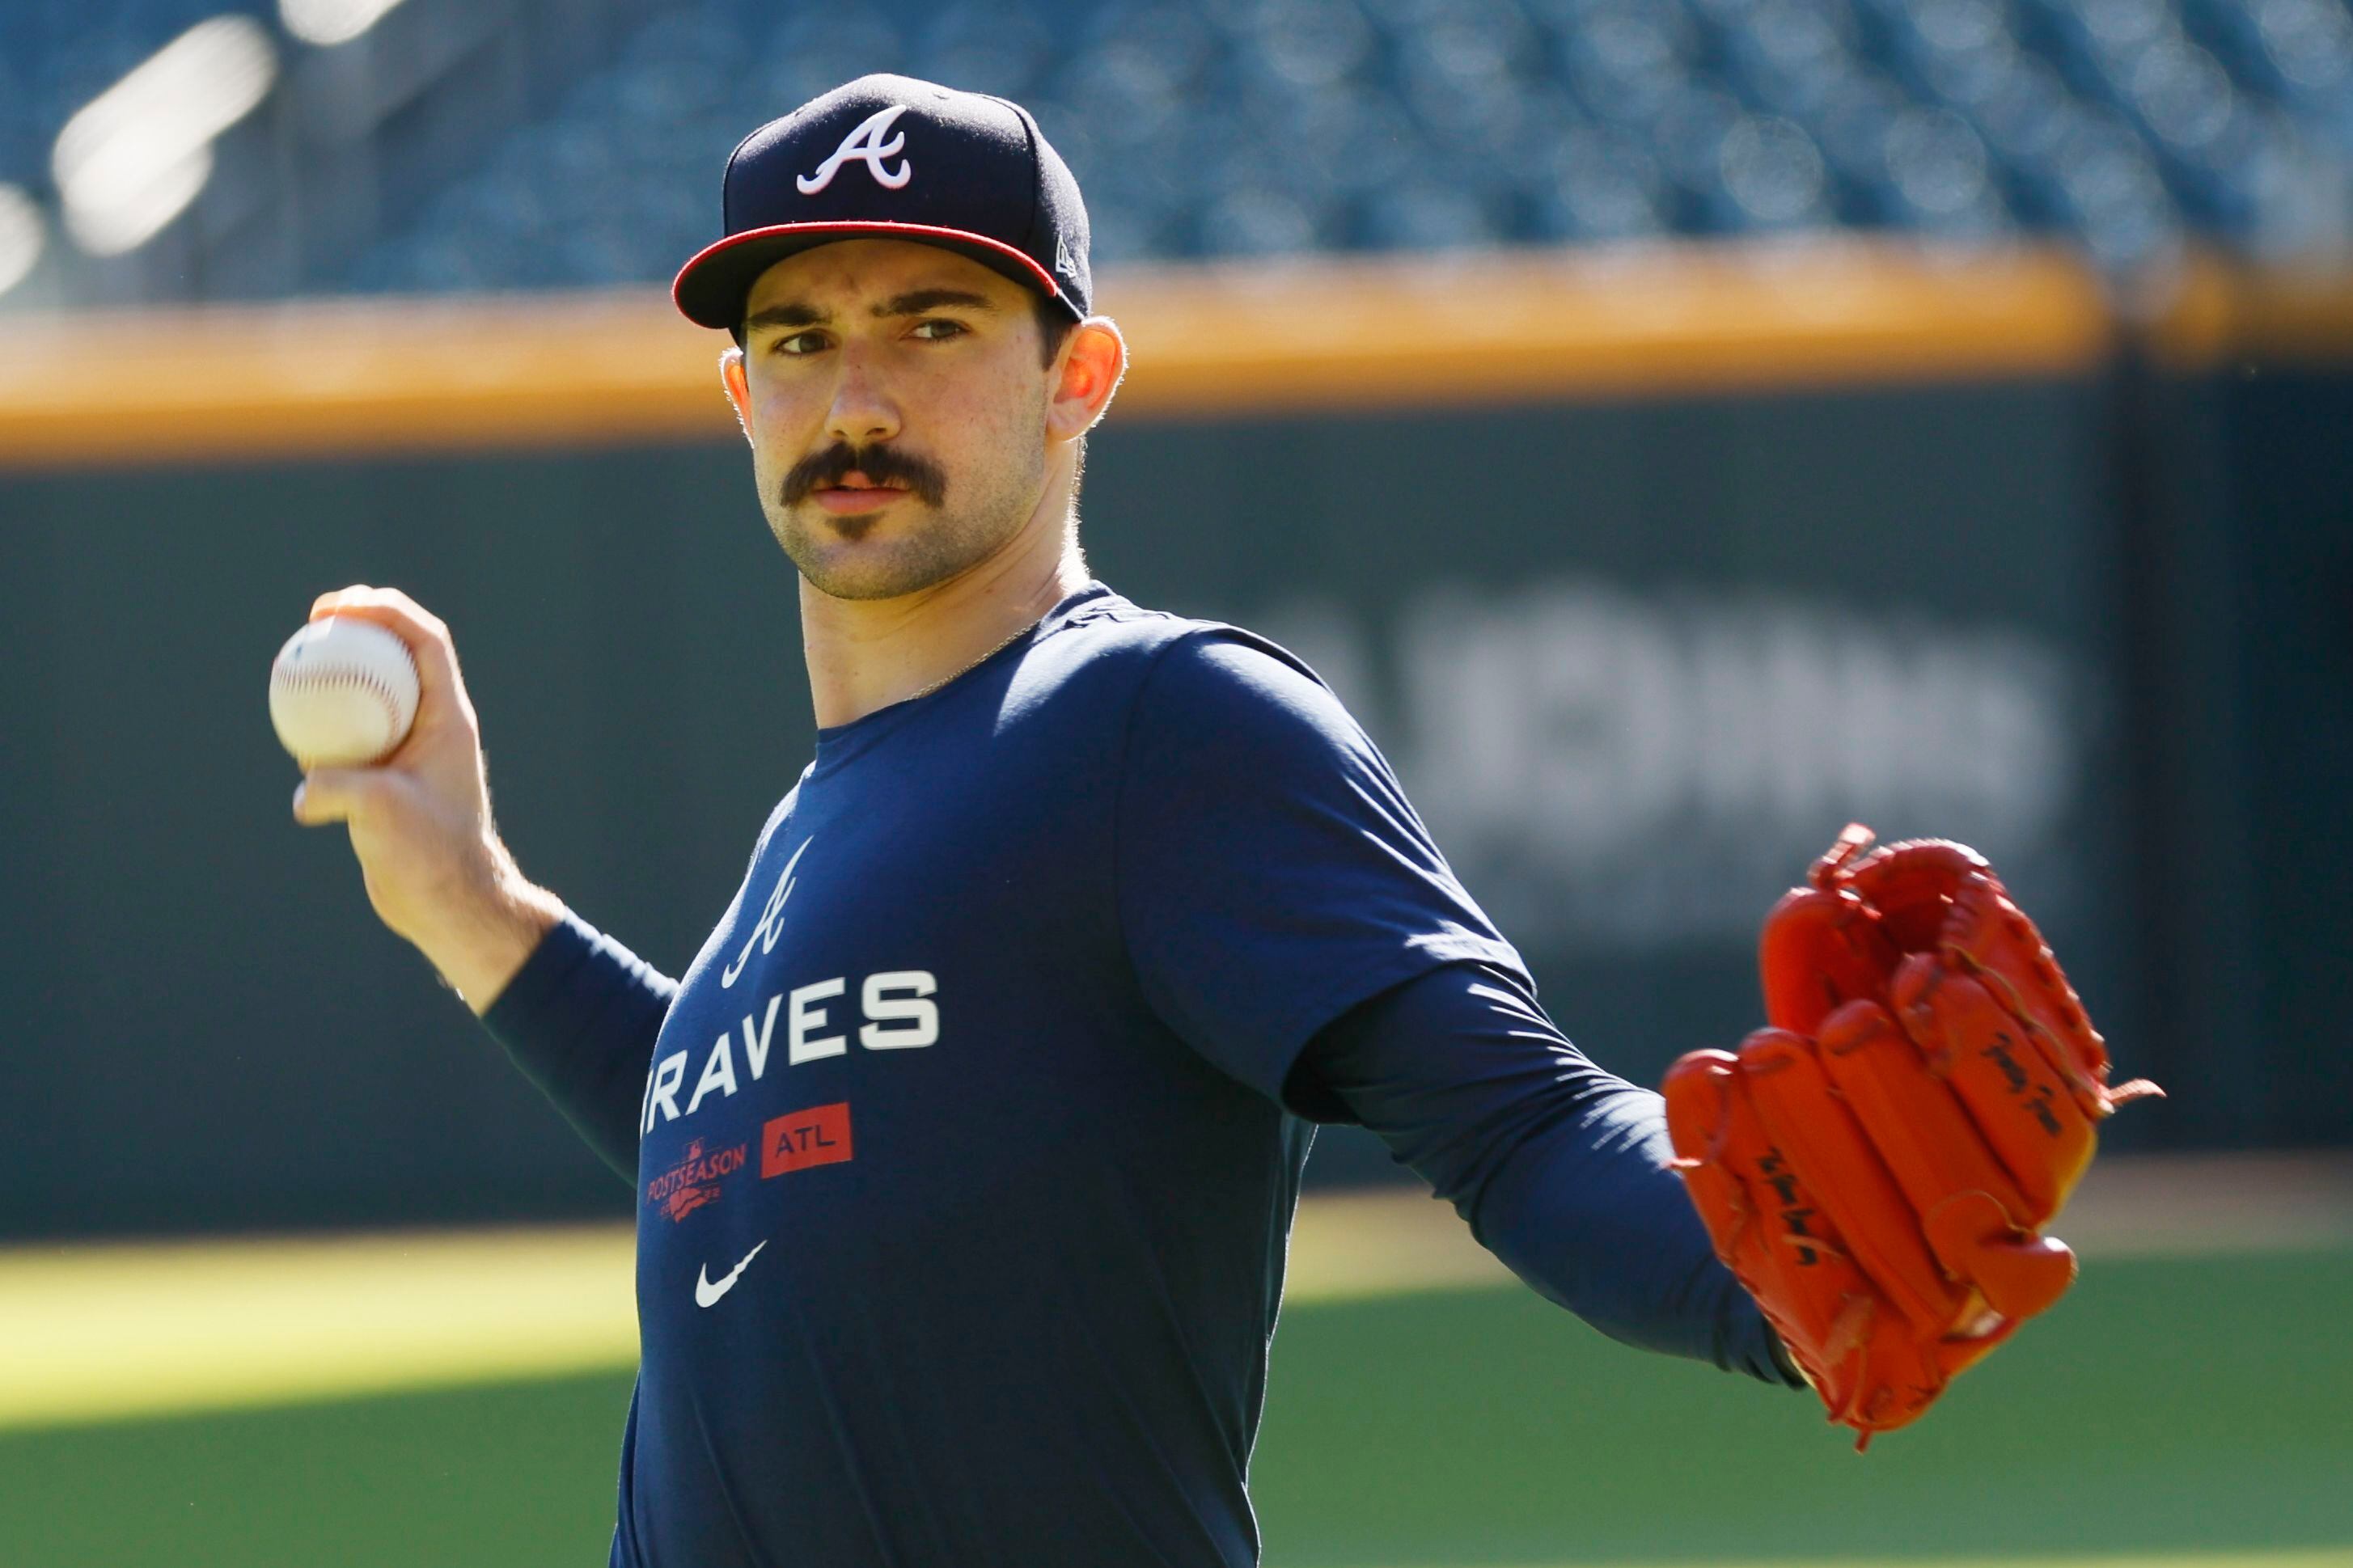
(793, 315)
(922, 299)
(913, 303)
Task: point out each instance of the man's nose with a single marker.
(861, 410)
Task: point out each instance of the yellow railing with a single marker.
(349, 377)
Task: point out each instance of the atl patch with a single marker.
(816, 1136)
(694, 1179)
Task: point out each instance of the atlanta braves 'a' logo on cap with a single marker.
(865, 142)
(993, 189)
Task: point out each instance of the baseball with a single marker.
(341, 692)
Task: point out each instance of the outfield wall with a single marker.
(1737, 529)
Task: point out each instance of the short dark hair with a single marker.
(1055, 323)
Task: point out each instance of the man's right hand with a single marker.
(436, 870)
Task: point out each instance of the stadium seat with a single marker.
(1262, 126)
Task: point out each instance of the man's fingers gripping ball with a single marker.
(1877, 1167)
(423, 633)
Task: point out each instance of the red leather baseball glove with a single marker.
(1876, 1167)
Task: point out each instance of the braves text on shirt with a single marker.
(897, 1012)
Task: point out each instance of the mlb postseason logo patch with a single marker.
(694, 1179)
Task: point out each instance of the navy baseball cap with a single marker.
(890, 157)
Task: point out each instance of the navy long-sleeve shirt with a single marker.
(967, 1147)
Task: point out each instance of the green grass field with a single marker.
(2194, 1412)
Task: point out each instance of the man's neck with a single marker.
(867, 654)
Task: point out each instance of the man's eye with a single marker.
(938, 330)
(800, 343)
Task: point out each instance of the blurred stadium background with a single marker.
(1834, 364)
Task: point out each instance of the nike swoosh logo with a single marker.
(705, 1292)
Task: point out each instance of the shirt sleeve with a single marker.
(1271, 874)
(580, 1018)
(1560, 1168)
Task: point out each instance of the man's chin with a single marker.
(844, 570)
(888, 553)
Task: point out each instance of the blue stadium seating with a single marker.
(1262, 126)
(57, 55)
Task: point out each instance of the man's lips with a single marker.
(857, 497)
(843, 481)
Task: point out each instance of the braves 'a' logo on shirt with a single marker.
(772, 919)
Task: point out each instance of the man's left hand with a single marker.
(1877, 1165)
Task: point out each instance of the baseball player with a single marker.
(967, 1146)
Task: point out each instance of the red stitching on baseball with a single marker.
(309, 677)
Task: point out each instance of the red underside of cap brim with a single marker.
(710, 289)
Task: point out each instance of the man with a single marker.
(969, 1143)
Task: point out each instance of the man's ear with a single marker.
(739, 389)
(1092, 365)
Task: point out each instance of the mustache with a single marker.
(882, 465)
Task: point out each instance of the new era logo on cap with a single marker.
(846, 165)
